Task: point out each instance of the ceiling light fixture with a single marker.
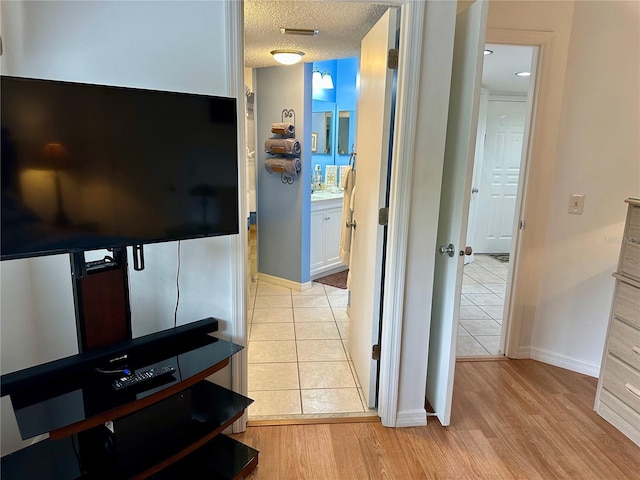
(299, 31)
(523, 74)
(487, 52)
(287, 57)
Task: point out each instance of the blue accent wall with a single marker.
(344, 96)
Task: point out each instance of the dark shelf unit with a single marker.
(72, 453)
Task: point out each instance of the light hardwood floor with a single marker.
(511, 419)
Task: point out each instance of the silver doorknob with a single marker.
(447, 250)
(351, 224)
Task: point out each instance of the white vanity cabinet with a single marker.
(326, 223)
(618, 394)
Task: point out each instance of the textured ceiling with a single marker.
(342, 26)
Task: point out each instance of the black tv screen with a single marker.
(90, 166)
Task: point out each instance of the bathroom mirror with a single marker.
(345, 133)
(321, 124)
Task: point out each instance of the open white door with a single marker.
(372, 143)
(454, 204)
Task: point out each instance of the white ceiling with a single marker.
(342, 26)
(499, 70)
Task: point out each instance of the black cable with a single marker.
(175, 312)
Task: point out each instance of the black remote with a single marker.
(141, 377)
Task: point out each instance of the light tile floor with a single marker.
(481, 307)
(299, 364)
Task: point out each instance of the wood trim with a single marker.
(135, 406)
(410, 62)
(313, 421)
(481, 359)
(234, 11)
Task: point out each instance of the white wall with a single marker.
(554, 18)
(598, 155)
(177, 46)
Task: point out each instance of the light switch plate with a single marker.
(576, 204)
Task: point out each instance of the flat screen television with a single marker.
(89, 167)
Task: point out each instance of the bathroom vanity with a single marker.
(326, 224)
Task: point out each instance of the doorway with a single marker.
(307, 326)
(503, 123)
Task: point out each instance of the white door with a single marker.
(454, 204)
(477, 167)
(498, 189)
(372, 143)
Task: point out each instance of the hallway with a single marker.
(481, 307)
(299, 365)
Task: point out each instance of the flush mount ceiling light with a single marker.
(487, 52)
(523, 74)
(287, 57)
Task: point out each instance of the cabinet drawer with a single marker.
(622, 381)
(624, 343)
(627, 303)
(630, 263)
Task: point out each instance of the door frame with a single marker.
(412, 16)
(516, 292)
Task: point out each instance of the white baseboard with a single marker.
(523, 352)
(283, 282)
(324, 271)
(562, 361)
(411, 418)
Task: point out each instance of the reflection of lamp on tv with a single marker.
(57, 158)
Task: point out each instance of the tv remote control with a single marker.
(141, 377)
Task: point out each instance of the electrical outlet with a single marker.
(576, 204)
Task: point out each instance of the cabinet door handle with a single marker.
(633, 389)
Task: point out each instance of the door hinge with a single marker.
(383, 216)
(392, 59)
(522, 224)
(375, 352)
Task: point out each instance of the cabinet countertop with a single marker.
(324, 196)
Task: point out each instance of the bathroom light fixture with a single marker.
(523, 74)
(327, 81)
(487, 52)
(316, 78)
(321, 80)
(287, 57)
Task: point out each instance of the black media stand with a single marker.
(164, 429)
